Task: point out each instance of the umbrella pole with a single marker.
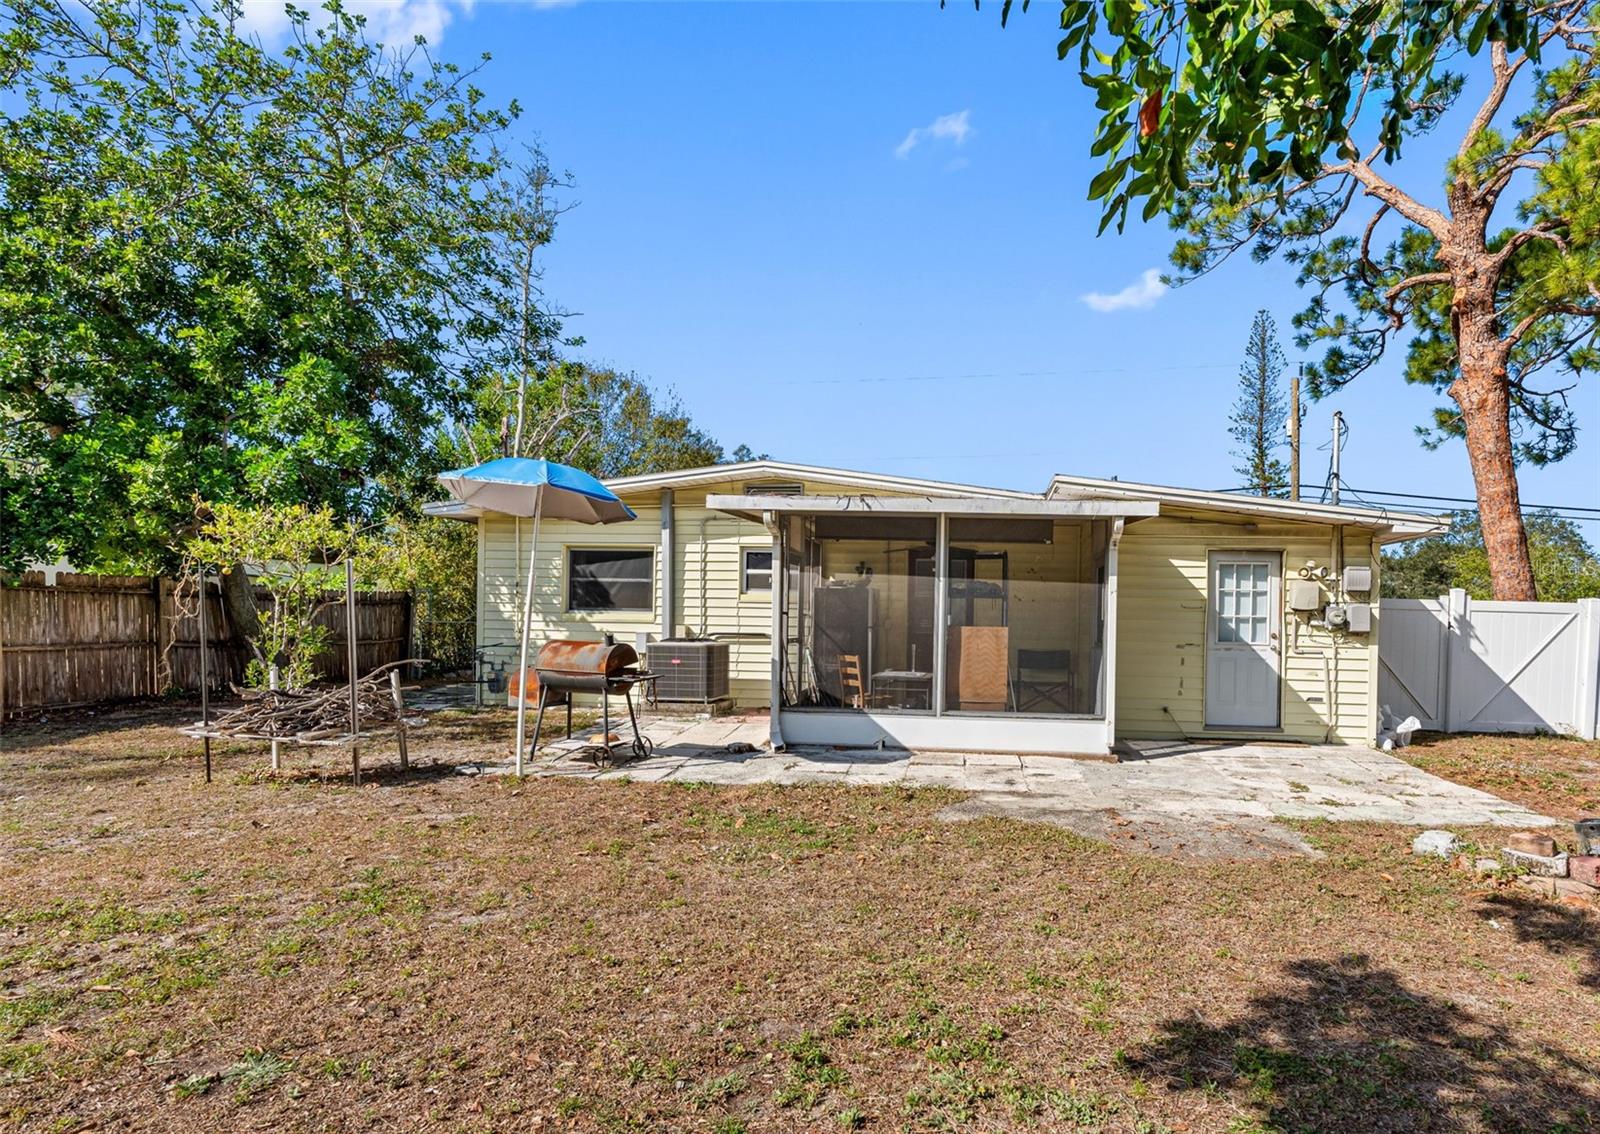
(527, 622)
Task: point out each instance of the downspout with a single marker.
(669, 565)
(1109, 678)
(780, 633)
(705, 518)
(480, 592)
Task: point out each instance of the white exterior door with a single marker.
(1242, 659)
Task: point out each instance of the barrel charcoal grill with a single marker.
(564, 668)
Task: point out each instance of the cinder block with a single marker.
(1529, 842)
(1545, 866)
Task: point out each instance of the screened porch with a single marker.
(973, 624)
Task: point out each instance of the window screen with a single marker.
(611, 578)
(757, 571)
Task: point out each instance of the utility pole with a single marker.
(1294, 433)
(1333, 472)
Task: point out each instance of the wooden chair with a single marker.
(1044, 677)
(850, 683)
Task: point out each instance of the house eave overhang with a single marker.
(1388, 525)
(453, 510)
(774, 470)
(755, 506)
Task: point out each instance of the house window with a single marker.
(757, 571)
(610, 578)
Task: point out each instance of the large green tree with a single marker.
(1274, 126)
(1564, 564)
(230, 273)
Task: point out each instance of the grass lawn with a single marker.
(1551, 774)
(475, 954)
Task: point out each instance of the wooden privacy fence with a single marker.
(1463, 666)
(91, 638)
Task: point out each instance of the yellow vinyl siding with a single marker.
(710, 558)
(504, 569)
(1163, 573)
(710, 552)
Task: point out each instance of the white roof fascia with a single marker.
(452, 510)
(754, 506)
(712, 474)
(1404, 525)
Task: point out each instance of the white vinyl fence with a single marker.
(1464, 666)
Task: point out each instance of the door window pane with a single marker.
(1243, 599)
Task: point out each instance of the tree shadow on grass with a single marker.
(1565, 931)
(1344, 1046)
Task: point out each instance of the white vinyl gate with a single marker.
(1464, 666)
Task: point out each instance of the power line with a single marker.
(877, 379)
(1471, 500)
(1385, 500)
(963, 456)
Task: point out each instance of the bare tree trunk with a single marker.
(244, 615)
(1484, 399)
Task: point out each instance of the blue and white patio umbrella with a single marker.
(525, 486)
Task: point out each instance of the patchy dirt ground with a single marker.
(452, 953)
(1552, 774)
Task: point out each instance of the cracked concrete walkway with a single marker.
(1175, 791)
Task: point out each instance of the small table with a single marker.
(913, 683)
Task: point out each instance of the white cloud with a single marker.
(947, 127)
(1142, 293)
(394, 23)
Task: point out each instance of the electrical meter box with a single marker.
(1305, 596)
(1359, 617)
(1358, 579)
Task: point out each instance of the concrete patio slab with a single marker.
(1177, 795)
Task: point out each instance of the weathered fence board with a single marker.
(1464, 666)
(91, 638)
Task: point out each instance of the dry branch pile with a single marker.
(311, 716)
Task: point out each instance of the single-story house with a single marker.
(863, 608)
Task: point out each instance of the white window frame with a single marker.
(566, 582)
(744, 571)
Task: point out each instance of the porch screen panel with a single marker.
(1026, 600)
(859, 609)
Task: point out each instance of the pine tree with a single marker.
(1260, 416)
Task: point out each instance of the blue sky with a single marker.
(759, 228)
